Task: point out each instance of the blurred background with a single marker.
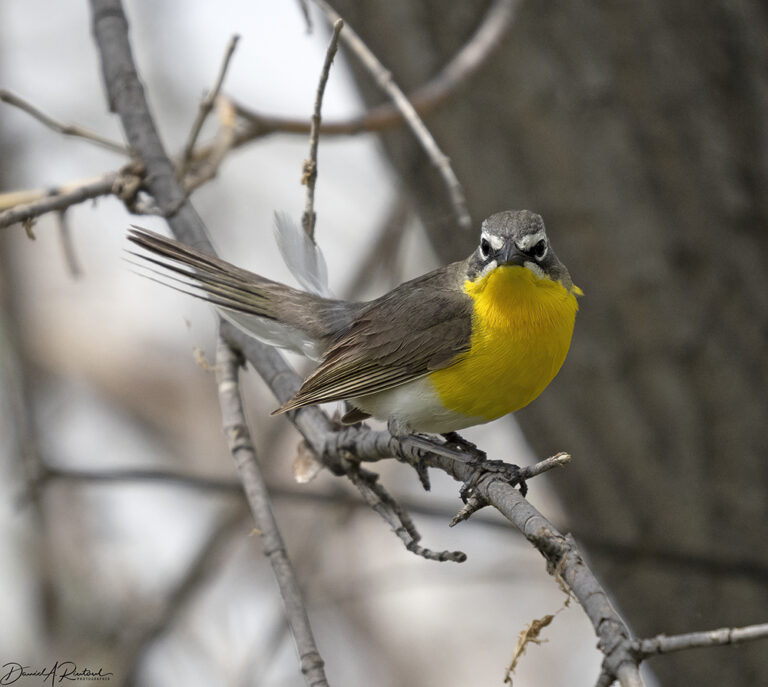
(638, 130)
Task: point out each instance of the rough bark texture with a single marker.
(640, 132)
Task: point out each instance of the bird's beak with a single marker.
(509, 254)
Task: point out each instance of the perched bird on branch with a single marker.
(459, 346)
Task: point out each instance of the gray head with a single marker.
(516, 237)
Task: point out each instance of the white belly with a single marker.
(414, 407)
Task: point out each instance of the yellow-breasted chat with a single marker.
(459, 346)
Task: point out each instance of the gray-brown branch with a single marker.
(309, 176)
(244, 455)
(425, 99)
(64, 129)
(465, 63)
(383, 78)
(58, 200)
(664, 644)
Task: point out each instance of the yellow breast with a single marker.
(521, 332)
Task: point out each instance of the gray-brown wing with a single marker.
(421, 326)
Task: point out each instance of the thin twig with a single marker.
(206, 105)
(244, 455)
(488, 36)
(384, 80)
(309, 170)
(65, 129)
(559, 460)
(59, 199)
(663, 644)
(379, 500)
(225, 140)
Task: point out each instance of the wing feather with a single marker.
(421, 326)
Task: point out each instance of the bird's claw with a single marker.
(507, 472)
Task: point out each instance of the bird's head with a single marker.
(517, 238)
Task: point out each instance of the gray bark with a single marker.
(640, 132)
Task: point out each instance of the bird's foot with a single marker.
(416, 445)
(506, 472)
(473, 499)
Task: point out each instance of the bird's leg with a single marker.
(434, 443)
(418, 444)
(408, 441)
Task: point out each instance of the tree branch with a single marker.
(58, 200)
(64, 129)
(206, 105)
(126, 98)
(663, 644)
(379, 500)
(425, 99)
(383, 78)
(309, 172)
(244, 455)
(207, 169)
(566, 562)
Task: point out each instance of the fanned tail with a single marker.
(267, 310)
(202, 275)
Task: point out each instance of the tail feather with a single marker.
(265, 309)
(232, 287)
(301, 255)
(216, 288)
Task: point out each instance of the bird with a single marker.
(459, 346)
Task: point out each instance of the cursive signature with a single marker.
(57, 673)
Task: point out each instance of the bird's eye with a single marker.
(539, 250)
(485, 247)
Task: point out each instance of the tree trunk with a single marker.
(639, 130)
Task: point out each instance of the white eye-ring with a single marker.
(539, 250)
(485, 247)
(488, 242)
